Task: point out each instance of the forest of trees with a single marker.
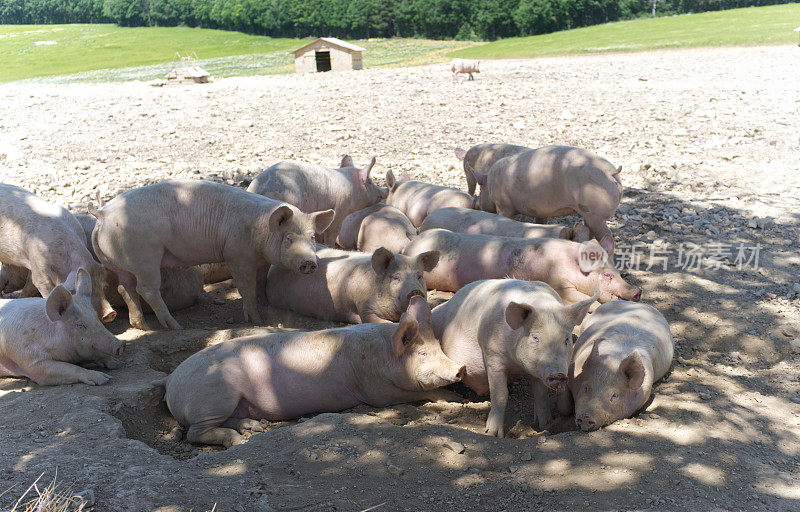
(435, 19)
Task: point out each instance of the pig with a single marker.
(500, 329)
(180, 287)
(215, 272)
(13, 278)
(312, 187)
(556, 180)
(417, 199)
(467, 66)
(46, 239)
(624, 347)
(477, 222)
(354, 288)
(287, 375)
(182, 223)
(42, 339)
(467, 258)
(379, 225)
(481, 157)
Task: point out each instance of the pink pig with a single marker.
(417, 199)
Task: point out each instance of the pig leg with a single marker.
(571, 295)
(148, 286)
(498, 394)
(261, 284)
(598, 229)
(243, 277)
(541, 405)
(227, 437)
(52, 373)
(566, 406)
(127, 289)
(368, 317)
(29, 290)
(240, 424)
(330, 234)
(505, 211)
(541, 220)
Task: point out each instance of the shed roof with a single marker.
(332, 41)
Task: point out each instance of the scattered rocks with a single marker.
(454, 446)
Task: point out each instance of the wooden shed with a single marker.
(327, 54)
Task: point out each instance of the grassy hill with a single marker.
(748, 26)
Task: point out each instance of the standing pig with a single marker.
(183, 223)
(379, 225)
(503, 328)
(46, 239)
(417, 199)
(312, 187)
(42, 339)
(467, 258)
(287, 375)
(624, 347)
(458, 66)
(481, 158)
(353, 288)
(556, 180)
(477, 222)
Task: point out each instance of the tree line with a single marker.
(356, 19)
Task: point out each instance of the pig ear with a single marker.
(419, 309)
(347, 161)
(580, 233)
(322, 220)
(381, 259)
(363, 174)
(577, 312)
(461, 154)
(390, 181)
(71, 282)
(632, 369)
(59, 303)
(84, 283)
(607, 243)
(405, 334)
(517, 314)
(479, 176)
(279, 217)
(428, 260)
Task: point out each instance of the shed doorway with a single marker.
(323, 60)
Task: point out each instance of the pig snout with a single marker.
(308, 267)
(637, 295)
(119, 348)
(585, 423)
(557, 381)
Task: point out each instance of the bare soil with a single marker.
(709, 146)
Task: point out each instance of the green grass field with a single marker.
(88, 53)
(749, 26)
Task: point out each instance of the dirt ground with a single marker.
(708, 141)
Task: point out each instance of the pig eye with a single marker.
(396, 277)
(419, 276)
(614, 397)
(422, 353)
(289, 240)
(568, 340)
(80, 325)
(535, 339)
(607, 274)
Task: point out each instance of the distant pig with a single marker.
(312, 187)
(287, 375)
(467, 66)
(379, 225)
(481, 157)
(46, 239)
(623, 349)
(417, 199)
(353, 287)
(183, 223)
(476, 222)
(467, 258)
(503, 328)
(42, 339)
(553, 181)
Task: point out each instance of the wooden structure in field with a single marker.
(327, 54)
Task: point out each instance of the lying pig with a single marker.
(215, 272)
(42, 339)
(554, 181)
(182, 223)
(312, 187)
(47, 240)
(13, 278)
(355, 288)
(624, 347)
(180, 287)
(477, 222)
(481, 157)
(503, 328)
(417, 199)
(458, 66)
(467, 258)
(287, 375)
(379, 225)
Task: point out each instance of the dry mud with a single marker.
(709, 146)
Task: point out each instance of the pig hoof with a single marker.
(494, 429)
(94, 378)
(232, 440)
(111, 363)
